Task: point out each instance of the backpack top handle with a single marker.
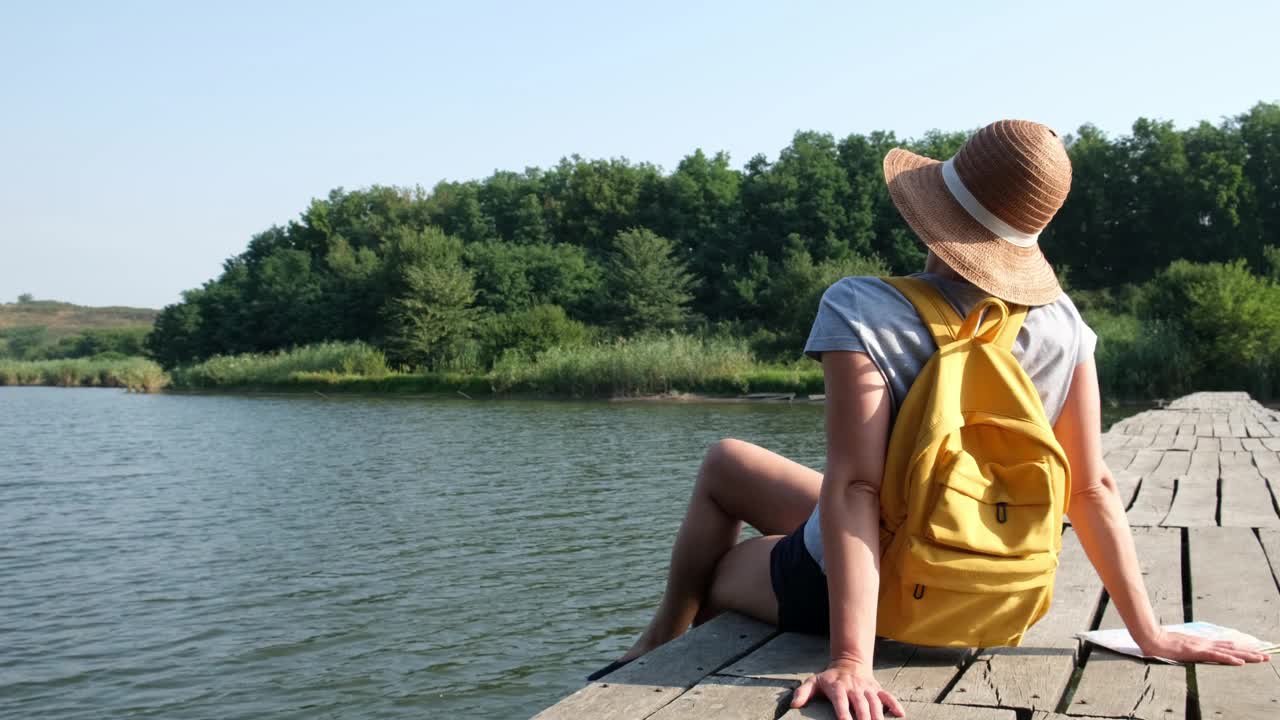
(946, 325)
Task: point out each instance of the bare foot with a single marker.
(648, 640)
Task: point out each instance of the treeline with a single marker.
(35, 342)
(520, 262)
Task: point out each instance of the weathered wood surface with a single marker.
(650, 683)
(1196, 502)
(1246, 499)
(730, 698)
(1036, 674)
(1155, 495)
(1120, 686)
(1271, 546)
(819, 710)
(1232, 585)
(1144, 463)
(911, 673)
(1168, 465)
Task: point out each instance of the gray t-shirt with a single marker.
(865, 314)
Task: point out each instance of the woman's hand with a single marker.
(1190, 649)
(852, 690)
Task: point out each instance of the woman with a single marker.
(816, 568)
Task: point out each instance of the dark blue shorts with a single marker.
(800, 587)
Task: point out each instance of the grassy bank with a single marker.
(668, 364)
(133, 374)
(1137, 361)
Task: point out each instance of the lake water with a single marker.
(187, 556)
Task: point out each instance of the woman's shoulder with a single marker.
(861, 290)
(1059, 312)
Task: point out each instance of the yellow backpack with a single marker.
(975, 487)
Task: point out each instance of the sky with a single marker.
(143, 143)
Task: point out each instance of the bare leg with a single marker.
(738, 482)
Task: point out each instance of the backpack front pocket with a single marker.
(1003, 510)
(931, 565)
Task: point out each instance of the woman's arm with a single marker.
(1098, 518)
(857, 409)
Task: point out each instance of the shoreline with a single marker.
(674, 397)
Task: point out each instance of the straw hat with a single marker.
(982, 211)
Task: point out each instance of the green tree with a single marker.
(430, 314)
(527, 332)
(702, 215)
(1260, 133)
(648, 287)
(805, 194)
(784, 295)
(591, 201)
(511, 277)
(862, 158)
(26, 342)
(1271, 262)
(25, 298)
(1086, 229)
(1227, 315)
(115, 341)
(515, 204)
(177, 336)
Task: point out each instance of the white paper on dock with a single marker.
(1122, 642)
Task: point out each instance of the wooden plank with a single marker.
(729, 698)
(1113, 440)
(1271, 548)
(1246, 500)
(1155, 494)
(796, 656)
(909, 672)
(1140, 441)
(1196, 502)
(928, 672)
(1232, 585)
(1119, 459)
(1186, 439)
(1144, 462)
(1120, 686)
(1268, 464)
(654, 680)
(821, 710)
(1035, 675)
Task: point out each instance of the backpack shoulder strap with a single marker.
(942, 320)
(934, 310)
(1009, 333)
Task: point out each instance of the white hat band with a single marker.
(988, 220)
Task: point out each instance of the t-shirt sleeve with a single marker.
(1088, 342)
(833, 328)
(1088, 339)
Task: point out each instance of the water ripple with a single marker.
(242, 557)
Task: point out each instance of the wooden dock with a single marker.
(1200, 479)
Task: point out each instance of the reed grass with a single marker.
(646, 366)
(133, 373)
(308, 364)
